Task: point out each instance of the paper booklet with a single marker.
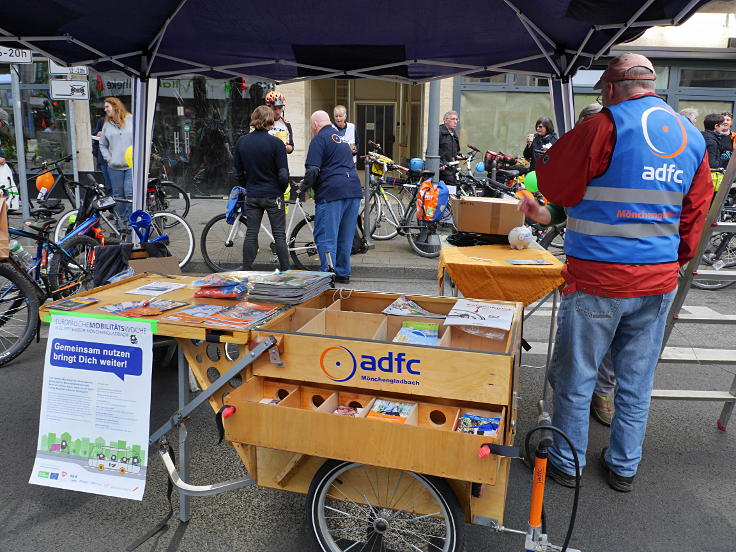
(486, 315)
(406, 307)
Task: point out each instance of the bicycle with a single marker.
(221, 242)
(58, 270)
(721, 250)
(163, 195)
(381, 201)
(68, 185)
(98, 210)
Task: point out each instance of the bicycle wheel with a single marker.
(353, 506)
(181, 237)
(426, 238)
(173, 199)
(65, 224)
(71, 274)
(554, 237)
(219, 253)
(302, 247)
(19, 304)
(721, 253)
(386, 225)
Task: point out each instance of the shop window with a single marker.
(529, 80)
(704, 108)
(708, 78)
(500, 120)
(498, 79)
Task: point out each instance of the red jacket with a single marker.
(563, 175)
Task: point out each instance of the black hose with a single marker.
(574, 512)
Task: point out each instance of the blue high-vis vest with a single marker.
(631, 213)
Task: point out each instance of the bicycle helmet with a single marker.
(275, 99)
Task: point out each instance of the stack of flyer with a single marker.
(290, 286)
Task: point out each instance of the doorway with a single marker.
(375, 122)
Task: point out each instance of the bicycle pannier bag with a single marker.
(432, 200)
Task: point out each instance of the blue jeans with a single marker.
(105, 170)
(122, 187)
(588, 326)
(334, 230)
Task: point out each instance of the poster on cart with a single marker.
(95, 406)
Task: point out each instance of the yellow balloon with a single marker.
(129, 156)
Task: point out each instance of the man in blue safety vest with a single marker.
(636, 184)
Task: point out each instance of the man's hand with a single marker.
(289, 148)
(2, 160)
(532, 209)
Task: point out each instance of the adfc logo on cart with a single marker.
(340, 365)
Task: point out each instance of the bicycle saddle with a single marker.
(427, 174)
(42, 226)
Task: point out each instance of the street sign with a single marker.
(56, 69)
(69, 90)
(15, 55)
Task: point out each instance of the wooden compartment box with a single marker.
(424, 443)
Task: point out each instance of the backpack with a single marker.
(432, 201)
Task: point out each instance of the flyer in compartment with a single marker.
(406, 307)
(154, 289)
(478, 425)
(420, 333)
(347, 411)
(486, 315)
(390, 411)
(239, 316)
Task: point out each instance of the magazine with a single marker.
(155, 306)
(154, 289)
(486, 315)
(390, 411)
(73, 303)
(239, 316)
(406, 307)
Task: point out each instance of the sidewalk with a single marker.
(388, 259)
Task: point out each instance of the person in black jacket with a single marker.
(449, 147)
(539, 142)
(716, 144)
(260, 166)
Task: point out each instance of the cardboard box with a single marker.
(162, 265)
(486, 215)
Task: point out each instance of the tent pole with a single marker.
(562, 103)
(144, 104)
(20, 145)
(433, 129)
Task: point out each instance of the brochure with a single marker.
(347, 411)
(421, 333)
(154, 289)
(528, 262)
(239, 316)
(478, 425)
(406, 307)
(486, 315)
(390, 411)
(73, 303)
(156, 306)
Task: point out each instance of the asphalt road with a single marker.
(684, 499)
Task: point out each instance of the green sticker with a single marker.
(153, 323)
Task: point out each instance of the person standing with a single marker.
(718, 154)
(636, 184)
(281, 128)
(449, 147)
(539, 142)
(116, 138)
(346, 130)
(261, 168)
(330, 170)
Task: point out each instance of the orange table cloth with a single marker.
(482, 272)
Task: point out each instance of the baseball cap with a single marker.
(4, 116)
(617, 67)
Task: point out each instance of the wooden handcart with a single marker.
(407, 486)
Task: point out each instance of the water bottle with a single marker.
(21, 255)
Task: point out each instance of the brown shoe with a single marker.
(602, 409)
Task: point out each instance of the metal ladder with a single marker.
(690, 273)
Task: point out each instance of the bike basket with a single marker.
(103, 204)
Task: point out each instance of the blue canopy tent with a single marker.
(407, 42)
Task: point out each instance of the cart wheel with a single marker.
(101, 467)
(358, 507)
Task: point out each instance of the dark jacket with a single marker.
(330, 168)
(260, 165)
(718, 149)
(540, 144)
(448, 150)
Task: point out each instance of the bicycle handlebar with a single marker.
(473, 148)
(46, 164)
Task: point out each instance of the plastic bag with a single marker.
(237, 291)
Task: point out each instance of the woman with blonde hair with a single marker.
(116, 138)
